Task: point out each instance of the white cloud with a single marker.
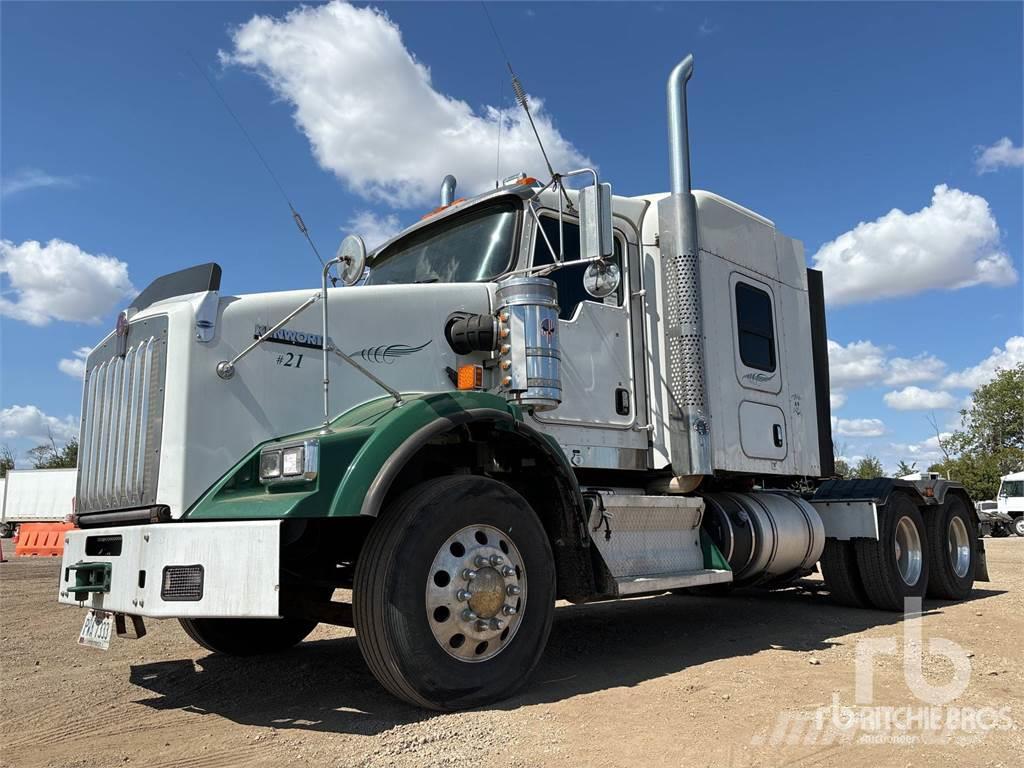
(922, 367)
(924, 452)
(857, 364)
(1003, 358)
(371, 113)
(27, 422)
(952, 243)
(918, 399)
(837, 399)
(858, 427)
(1002, 154)
(863, 363)
(60, 281)
(32, 178)
(374, 228)
(75, 366)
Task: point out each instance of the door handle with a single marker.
(777, 435)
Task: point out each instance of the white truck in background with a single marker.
(1011, 500)
(36, 496)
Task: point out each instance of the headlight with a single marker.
(290, 462)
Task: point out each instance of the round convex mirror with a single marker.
(352, 253)
(602, 279)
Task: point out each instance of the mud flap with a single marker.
(981, 562)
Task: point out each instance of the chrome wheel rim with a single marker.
(908, 551)
(959, 547)
(476, 593)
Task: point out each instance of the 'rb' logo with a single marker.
(913, 661)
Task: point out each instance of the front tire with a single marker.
(896, 566)
(1018, 525)
(247, 637)
(454, 593)
(952, 543)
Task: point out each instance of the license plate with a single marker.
(96, 629)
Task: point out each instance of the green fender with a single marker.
(360, 457)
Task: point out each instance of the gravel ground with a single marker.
(661, 681)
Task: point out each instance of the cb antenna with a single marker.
(520, 94)
(296, 216)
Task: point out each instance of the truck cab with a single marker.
(1011, 500)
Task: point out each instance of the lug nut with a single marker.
(505, 349)
(497, 624)
(468, 615)
(507, 571)
(463, 595)
(481, 561)
(506, 381)
(506, 364)
(497, 559)
(509, 610)
(468, 574)
(482, 625)
(512, 589)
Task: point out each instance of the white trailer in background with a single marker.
(36, 496)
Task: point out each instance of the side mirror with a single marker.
(595, 204)
(351, 257)
(601, 279)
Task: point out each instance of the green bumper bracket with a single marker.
(90, 577)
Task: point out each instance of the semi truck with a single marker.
(1011, 500)
(36, 496)
(544, 392)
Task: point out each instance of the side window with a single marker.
(755, 327)
(569, 279)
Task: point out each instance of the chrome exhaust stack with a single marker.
(683, 317)
(448, 190)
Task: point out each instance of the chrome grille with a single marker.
(122, 416)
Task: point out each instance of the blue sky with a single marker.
(819, 116)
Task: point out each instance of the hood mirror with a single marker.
(352, 259)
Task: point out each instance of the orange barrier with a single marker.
(45, 539)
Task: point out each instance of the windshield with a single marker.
(468, 248)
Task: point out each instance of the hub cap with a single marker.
(476, 593)
(959, 547)
(909, 555)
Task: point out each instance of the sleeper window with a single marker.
(755, 327)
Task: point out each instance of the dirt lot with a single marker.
(658, 681)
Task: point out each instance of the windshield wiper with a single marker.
(425, 280)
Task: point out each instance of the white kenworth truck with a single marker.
(536, 394)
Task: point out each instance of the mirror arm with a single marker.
(536, 218)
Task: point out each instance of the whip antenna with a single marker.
(295, 214)
(520, 94)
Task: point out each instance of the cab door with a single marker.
(600, 348)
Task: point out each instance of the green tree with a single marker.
(6, 461)
(868, 468)
(51, 457)
(842, 468)
(903, 468)
(990, 441)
